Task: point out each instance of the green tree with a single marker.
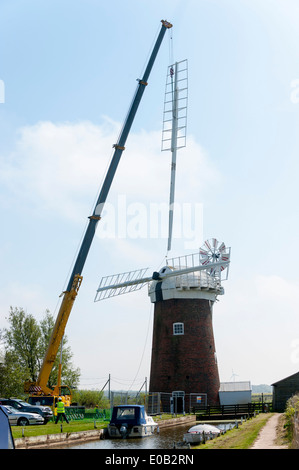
(22, 339)
(25, 344)
(12, 376)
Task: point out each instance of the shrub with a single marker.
(291, 408)
(90, 398)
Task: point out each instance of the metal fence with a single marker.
(176, 402)
(79, 413)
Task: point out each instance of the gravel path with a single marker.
(267, 436)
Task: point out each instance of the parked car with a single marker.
(21, 418)
(21, 405)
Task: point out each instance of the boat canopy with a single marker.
(129, 414)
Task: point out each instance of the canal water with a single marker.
(165, 439)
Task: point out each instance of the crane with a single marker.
(40, 388)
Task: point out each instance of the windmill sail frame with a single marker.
(174, 129)
(184, 268)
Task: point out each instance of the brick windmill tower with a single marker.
(184, 357)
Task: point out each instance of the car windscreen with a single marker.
(44, 401)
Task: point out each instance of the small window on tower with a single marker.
(178, 328)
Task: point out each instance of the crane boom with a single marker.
(40, 386)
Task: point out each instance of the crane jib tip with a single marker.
(166, 24)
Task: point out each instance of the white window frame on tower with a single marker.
(178, 328)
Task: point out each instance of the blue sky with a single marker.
(69, 73)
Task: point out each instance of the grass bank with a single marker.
(52, 428)
(243, 437)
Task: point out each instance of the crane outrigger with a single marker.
(40, 388)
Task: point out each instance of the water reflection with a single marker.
(163, 440)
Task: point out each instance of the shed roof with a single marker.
(235, 387)
(293, 376)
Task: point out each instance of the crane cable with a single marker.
(170, 45)
(145, 343)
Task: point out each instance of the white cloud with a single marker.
(59, 168)
(54, 166)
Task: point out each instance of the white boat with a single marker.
(201, 432)
(129, 421)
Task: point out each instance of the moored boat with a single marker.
(129, 421)
(201, 432)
